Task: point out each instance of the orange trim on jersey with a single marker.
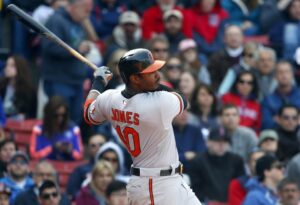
(180, 101)
(85, 109)
(151, 191)
(32, 147)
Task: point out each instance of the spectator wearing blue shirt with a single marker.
(269, 173)
(18, 175)
(285, 93)
(57, 138)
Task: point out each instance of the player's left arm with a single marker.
(101, 78)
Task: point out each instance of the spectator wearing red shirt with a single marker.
(152, 22)
(208, 19)
(244, 95)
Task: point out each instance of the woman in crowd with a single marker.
(94, 192)
(204, 106)
(17, 91)
(173, 70)
(57, 138)
(244, 95)
(187, 83)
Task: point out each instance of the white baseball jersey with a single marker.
(143, 123)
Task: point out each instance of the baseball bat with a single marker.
(42, 30)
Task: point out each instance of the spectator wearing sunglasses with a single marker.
(287, 130)
(80, 173)
(285, 93)
(43, 171)
(57, 138)
(247, 63)
(159, 47)
(244, 94)
(18, 178)
(269, 172)
(49, 193)
(112, 153)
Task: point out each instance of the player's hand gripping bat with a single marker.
(40, 29)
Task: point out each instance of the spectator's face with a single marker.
(249, 58)
(60, 115)
(204, 98)
(95, 143)
(187, 84)
(18, 169)
(233, 37)
(245, 85)
(129, 30)
(294, 9)
(252, 163)
(81, 9)
(160, 51)
(50, 196)
(42, 173)
(230, 118)
(112, 158)
(173, 25)
(276, 173)
(7, 151)
(10, 70)
(190, 55)
(284, 74)
(4, 199)
(289, 195)
(101, 180)
(289, 119)
(118, 198)
(265, 63)
(173, 69)
(207, 5)
(218, 148)
(269, 146)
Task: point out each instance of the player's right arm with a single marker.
(101, 78)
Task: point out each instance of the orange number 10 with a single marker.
(134, 149)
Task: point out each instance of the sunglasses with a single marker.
(49, 195)
(290, 117)
(246, 82)
(171, 67)
(160, 50)
(277, 165)
(250, 55)
(114, 160)
(21, 162)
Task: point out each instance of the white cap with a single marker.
(186, 44)
(173, 12)
(129, 17)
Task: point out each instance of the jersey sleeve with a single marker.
(99, 109)
(171, 105)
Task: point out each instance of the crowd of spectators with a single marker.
(236, 61)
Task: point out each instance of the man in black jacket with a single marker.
(212, 171)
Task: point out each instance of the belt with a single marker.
(164, 172)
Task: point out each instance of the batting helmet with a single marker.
(138, 61)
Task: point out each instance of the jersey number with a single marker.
(130, 138)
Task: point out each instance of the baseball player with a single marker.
(142, 115)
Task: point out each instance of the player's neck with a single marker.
(129, 92)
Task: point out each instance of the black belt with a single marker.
(164, 172)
